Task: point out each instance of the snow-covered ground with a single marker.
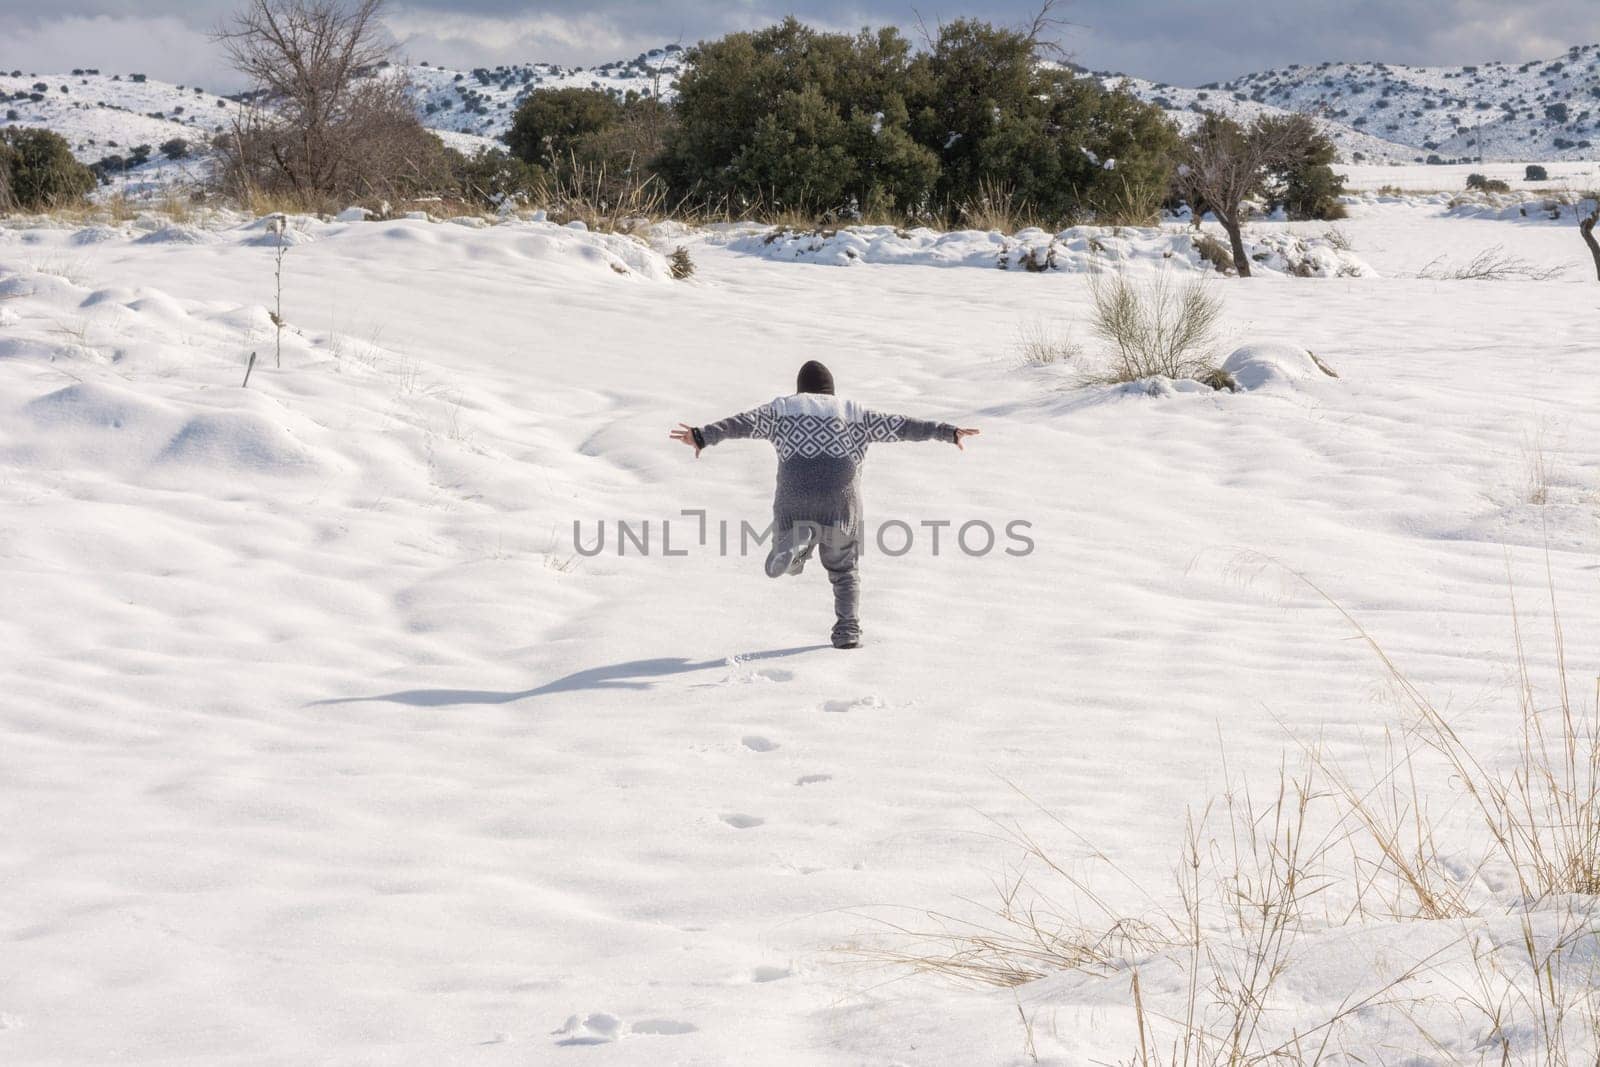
(320, 741)
(1420, 177)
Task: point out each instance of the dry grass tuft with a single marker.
(1040, 344)
(1492, 264)
(603, 200)
(998, 208)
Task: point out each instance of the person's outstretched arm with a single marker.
(888, 428)
(756, 423)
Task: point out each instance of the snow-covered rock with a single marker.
(1269, 364)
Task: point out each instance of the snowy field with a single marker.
(321, 743)
(1425, 178)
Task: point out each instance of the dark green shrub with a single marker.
(1535, 173)
(1483, 183)
(547, 127)
(1299, 176)
(1067, 147)
(790, 119)
(177, 148)
(106, 166)
(39, 171)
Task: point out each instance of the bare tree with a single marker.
(1220, 164)
(1586, 224)
(334, 122)
(1041, 33)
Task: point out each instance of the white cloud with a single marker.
(452, 40)
(165, 47)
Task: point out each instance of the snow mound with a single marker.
(1515, 207)
(8, 317)
(177, 233)
(238, 441)
(616, 253)
(93, 406)
(91, 424)
(353, 214)
(95, 234)
(95, 425)
(1272, 364)
(39, 348)
(1076, 250)
(270, 231)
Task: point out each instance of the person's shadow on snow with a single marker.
(634, 674)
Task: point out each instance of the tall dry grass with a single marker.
(603, 199)
(1321, 851)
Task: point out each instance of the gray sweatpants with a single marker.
(840, 552)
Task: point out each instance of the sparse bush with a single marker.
(1491, 264)
(38, 171)
(175, 149)
(680, 264)
(1483, 183)
(1159, 328)
(492, 178)
(1214, 252)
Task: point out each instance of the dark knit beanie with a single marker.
(814, 378)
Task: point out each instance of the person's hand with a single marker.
(685, 433)
(965, 432)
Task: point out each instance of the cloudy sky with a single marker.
(1185, 42)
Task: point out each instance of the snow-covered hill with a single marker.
(1540, 109)
(109, 114)
(482, 101)
(1185, 107)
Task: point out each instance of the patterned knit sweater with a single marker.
(821, 442)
